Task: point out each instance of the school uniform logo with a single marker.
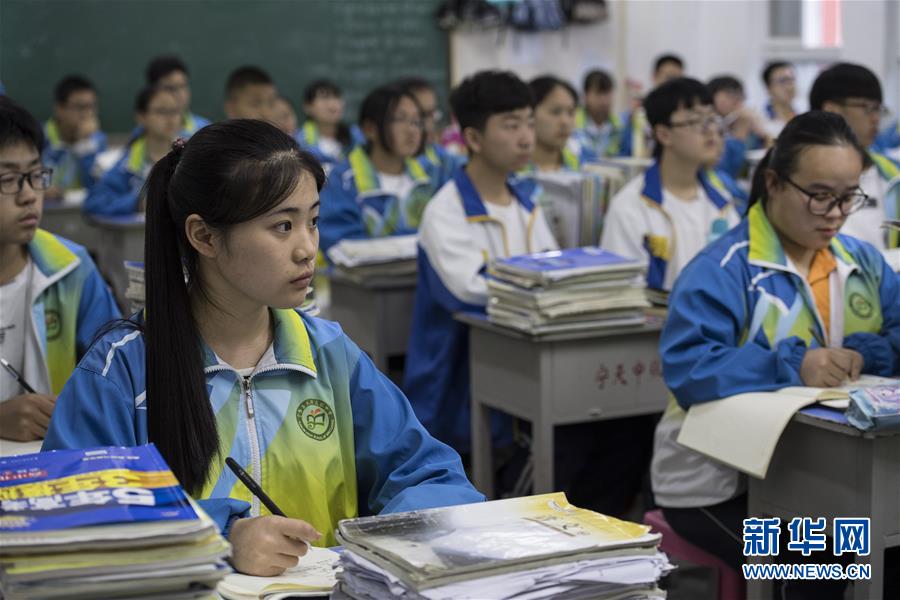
(315, 418)
(860, 305)
(53, 324)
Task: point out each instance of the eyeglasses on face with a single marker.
(821, 203)
(12, 183)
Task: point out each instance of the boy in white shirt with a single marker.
(668, 214)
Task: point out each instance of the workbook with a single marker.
(572, 265)
(313, 576)
(743, 430)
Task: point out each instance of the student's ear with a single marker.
(57, 111)
(662, 134)
(473, 139)
(833, 107)
(201, 236)
(772, 182)
(370, 130)
(140, 119)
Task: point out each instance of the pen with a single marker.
(254, 488)
(818, 337)
(17, 376)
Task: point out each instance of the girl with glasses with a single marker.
(781, 300)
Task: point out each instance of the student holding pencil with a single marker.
(781, 300)
(224, 366)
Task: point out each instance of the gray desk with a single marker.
(376, 315)
(557, 379)
(66, 219)
(824, 469)
(118, 239)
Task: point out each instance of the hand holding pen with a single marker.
(266, 546)
(25, 417)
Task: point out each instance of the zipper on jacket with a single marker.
(255, 460)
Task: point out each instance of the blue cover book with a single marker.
(67, 489)
(571, 262)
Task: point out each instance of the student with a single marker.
(854, 92)
(170, 72)
(250, 94)
(729, 330)
(744, 128)
(555, 103)
(597, 126)
(381, 189)
(285, 118)
(435, 155)
(224, 366)
(482, 213)
(638, 140)
(159, 118)
(668, 214)
(781, 85)
(73, 137)
(667, 67)
(52, 299)
(324, 132)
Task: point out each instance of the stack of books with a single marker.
(374, 259)
(525, 548)
(135, 292)
(575, 289)
(103, 523)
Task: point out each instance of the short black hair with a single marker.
(598, 80)
(70, 84)
(160, 66)
(378, 107)
(682, 92)
(543, 85)
(771, 68)
(147, 93)
(724, 83)
(320, 85)
(488, 93)
(246, 76)
(667, 58)
(17, 126)
(841, 81)
(415, 84)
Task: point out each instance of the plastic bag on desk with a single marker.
(875, 408)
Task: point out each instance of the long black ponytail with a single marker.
(228, 173)
(814, 128)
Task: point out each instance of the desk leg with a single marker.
(482, 455)
(542, 430)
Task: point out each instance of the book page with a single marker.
(312, 576)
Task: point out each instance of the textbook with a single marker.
(353, 253)
(875, 408)
(313, 576)
(499, 549)
(571, 265)
(103, 522)
(743, 430)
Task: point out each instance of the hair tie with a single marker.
(178, 146)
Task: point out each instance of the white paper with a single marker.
(315, 570)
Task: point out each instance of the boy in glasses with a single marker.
(854, 92)
(669, 213)
(72, 137)
(52, 299)
(170, 72)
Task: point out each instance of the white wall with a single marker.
(713, 37)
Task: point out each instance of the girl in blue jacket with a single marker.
(159, 122)
(745, 316)
(381, 189)
(223, 365)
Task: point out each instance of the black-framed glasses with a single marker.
(12, 183)
(869, 108)
(821, 203)
(701, 124)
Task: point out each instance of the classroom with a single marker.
(487, 299)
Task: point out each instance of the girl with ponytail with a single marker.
(220, 364)
(781, 300)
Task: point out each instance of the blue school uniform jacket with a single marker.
(457, 239)
(193, 123)
(326, 435)
(73, 165)
(438, 160)
(119, 190)
(741, 319)
(603, 141)
(355, 207)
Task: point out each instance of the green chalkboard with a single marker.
(357, 43)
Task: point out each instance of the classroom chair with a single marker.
(730, 584)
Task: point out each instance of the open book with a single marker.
(743, 430)
(313, 576)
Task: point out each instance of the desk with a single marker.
(118, 239)
(826, 469)
(376, 315)
(67, 220)
(11, 448)
(557, 379)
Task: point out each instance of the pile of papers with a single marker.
(135, 292)
(375, 258)
(575, 289)
(521, 548)
(103, 523)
